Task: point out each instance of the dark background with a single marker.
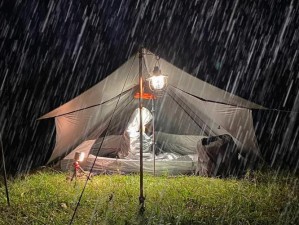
(51, 51)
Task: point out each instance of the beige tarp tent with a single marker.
(189, 110)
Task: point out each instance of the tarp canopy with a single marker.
(188, 108)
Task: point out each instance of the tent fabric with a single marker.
(188, 110)
(178, 144)
(224, 119)
(126, 77)
(73, 128)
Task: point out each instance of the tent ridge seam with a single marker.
(88, 107)
(207, 100)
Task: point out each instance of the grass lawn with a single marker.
(46, 197)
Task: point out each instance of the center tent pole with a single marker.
(141, 196)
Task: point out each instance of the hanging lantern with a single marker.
(157, 81)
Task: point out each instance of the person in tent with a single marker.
(132, 135)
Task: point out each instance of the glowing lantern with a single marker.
(79, 156)
(157, 81)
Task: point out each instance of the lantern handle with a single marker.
(157, 60)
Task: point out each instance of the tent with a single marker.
(99, 122)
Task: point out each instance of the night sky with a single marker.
(51, 51)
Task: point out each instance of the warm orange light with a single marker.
(145, 96)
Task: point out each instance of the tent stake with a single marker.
(4, 172)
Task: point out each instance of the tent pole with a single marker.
(141, 197)
(153, 135)
(4, 172)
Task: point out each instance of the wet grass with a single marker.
(46, 197)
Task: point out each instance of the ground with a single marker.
(47, 197)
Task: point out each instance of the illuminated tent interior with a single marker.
(103, 122)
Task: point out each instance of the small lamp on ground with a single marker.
(79, 157)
